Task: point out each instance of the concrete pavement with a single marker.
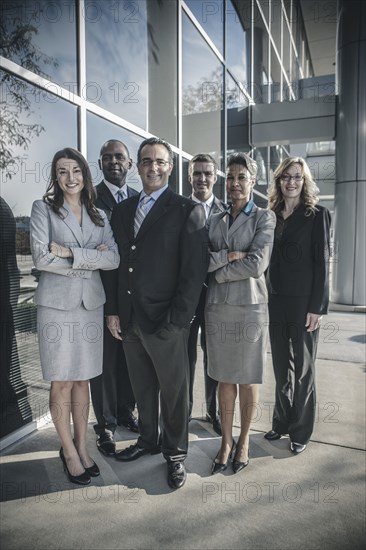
(280, 501)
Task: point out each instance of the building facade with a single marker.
(200, 74)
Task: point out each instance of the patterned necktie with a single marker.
(140, 213)
(120, 196)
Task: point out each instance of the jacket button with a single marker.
(133, 247)
(128, 292)
(130, 269)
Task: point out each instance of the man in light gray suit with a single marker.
(202, 175)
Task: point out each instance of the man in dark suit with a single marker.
(151, 300)
(111, 392)
(202, 175)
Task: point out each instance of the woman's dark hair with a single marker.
(54, 196)
(245, 160)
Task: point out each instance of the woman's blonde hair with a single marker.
(309, 192)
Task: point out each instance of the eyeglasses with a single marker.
(158, 162)
(287, 179)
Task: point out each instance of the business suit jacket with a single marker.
(217, 206)
(112, 396)
(300, 260)
(105, 200)
(241, 282)
(162, 270)
(65, 283)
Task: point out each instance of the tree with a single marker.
(16, 42)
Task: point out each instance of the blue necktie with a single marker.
(140, 213)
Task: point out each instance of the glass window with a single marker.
(116, 61)
(162, 62)
(276, 17)
(260, 68)
(238, 42)
(202, 97)
(40, 35)
(210, 17)
(237, 107)
(276, 78)
(40, 126)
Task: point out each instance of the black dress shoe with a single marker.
(131, 423)
(133, 452)
(177, 474)
(218, 467)
(272, 435)
(106, 444)
(237, 465)
(215, 421)
(297, 448)
(82, 479)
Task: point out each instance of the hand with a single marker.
(313, 321)
(236, 255)
(102, 247)
(59, 250)
(114, 326)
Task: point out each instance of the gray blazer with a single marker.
(242, 281)
(65, 283)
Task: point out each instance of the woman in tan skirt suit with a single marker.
(71, 241)
(236, 313)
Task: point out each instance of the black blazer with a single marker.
(105, 200)
(299, 263)
(161, 271)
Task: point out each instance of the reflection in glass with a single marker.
(210, 16)
(57, 123)
(162, 80)
(202, 98)
(15, 410)
(117, 57)
(237, 118)
(238, 42)
(40, 35)
(30, 175)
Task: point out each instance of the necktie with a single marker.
(120, 196)
(140, 213)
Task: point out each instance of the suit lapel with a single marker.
(239, 223)
(72, 223)
(106, 196)
(157, 211)
(128, 215)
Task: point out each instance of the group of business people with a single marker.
(163, 267)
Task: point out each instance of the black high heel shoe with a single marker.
(82, 479)
(92, 470)
(218, 467)
(237, 465)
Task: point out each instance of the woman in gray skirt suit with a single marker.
(71, 241)
(236, 312)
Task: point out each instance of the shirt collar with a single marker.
(155, 195)
(114, 189)
(205, 203)
(247, 208)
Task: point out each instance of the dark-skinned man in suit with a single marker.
(151, 300)
(111, 392)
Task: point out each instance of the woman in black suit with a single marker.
(298, 286)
